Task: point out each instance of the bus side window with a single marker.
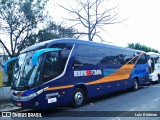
(84, 55)
(108, 56)
(130, 57)
(51, 67)
(142, 59)
(97, 54)
(65, 51)
(156, 60)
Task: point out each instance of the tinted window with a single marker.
(116, 56)
(65, 51)
(156, 59)
(111, 56)
(84, 55)
(142, 59)
(51, 66)
(100, 54)
(55, 62)
(130, 57)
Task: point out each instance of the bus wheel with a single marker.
(135, 84)
(78, 97)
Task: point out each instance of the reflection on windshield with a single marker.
(24, 72)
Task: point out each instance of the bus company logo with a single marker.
(87, 73)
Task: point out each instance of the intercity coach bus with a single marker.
(69, 71)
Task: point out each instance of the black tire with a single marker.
(135, 85)
(78, 98)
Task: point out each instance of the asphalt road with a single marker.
(118, 106)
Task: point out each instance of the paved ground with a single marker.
(118, 105)
(8, 106)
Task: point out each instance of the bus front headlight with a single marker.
(32, 95)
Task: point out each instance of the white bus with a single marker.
(154, 66)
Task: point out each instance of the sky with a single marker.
(142, 22)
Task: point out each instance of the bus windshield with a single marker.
(25, 74)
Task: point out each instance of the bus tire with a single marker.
(135, 85)
(78, 98)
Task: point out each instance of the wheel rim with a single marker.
(78, 97)
(136, 84)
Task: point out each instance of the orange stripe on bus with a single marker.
(118, 75)
(59, 87)
(20, 93)
(109, 79)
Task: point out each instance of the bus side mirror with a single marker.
(41, 52)
(135, 54)
(6, 64)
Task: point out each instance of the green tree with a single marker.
(51, 31)
(138, 46)
(18, 20)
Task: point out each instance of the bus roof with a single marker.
(48, 43)
(153, 54)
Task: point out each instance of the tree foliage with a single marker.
(51, 31)
(19, 19)
(138, 46)
(23, 22)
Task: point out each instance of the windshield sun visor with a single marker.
(40, 52)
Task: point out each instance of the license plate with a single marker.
(19, 104)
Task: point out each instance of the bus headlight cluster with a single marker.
(32, 95)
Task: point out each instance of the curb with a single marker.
(9, 107)
(5, 94)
